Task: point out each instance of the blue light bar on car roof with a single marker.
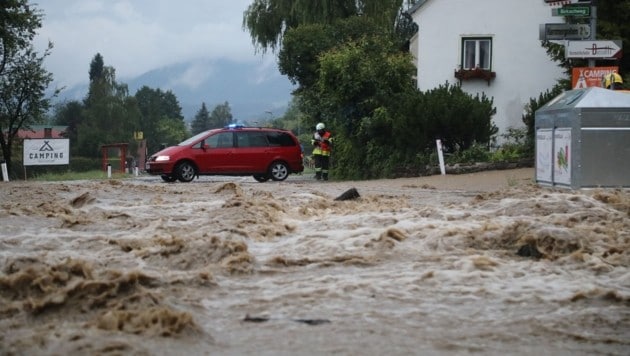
(235, 126)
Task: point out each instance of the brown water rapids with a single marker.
(485, 263)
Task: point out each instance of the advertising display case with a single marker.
(583, 139)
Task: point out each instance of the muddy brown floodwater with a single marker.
(486, 263)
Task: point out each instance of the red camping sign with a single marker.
(584, 77)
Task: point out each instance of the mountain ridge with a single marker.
(254, 92)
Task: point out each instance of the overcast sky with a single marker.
(136, 36)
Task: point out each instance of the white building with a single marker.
(497, 36)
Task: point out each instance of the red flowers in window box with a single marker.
(476, 73)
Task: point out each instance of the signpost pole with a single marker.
(591, 61)
(5, 173)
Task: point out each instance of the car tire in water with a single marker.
(278, 171)
(261, 177)
(185, 172)
(168, 179)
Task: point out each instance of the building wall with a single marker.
(523, 69)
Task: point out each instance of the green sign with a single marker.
(571, 11)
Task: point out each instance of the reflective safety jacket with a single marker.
(322, 143)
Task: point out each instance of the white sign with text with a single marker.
(47, 151)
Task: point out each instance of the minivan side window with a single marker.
(220, 140)
(251, 139)
(280, 139)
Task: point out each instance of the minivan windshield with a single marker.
(195, 138)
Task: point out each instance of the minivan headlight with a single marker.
(162, 158)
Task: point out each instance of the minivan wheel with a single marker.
(185, 172)
(279, 171)
(168, 178)
(261, 177)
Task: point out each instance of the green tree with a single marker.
(96, 68)
(221, 116)
(170, 131)
(156, 106)
(110, 115)
(268, 20)
(201, 121)
(69, 114)
(359, 85)
(23, 79)
(298, 58)
(613, 22)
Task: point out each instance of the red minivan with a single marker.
(265, 153)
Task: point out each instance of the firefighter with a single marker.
(322, 142)
(612, 81)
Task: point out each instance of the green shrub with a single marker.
(517, 145)
(476, 153)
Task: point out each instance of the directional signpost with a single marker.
(575, 11)
(564, 31)
(593, 49)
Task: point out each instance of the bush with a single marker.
(476, 153)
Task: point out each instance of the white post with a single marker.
(135, 171)
(5, 172)
(441, 156)
(109, 171)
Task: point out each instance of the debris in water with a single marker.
(529, 251)
(349, 194)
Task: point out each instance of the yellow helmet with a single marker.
(612, 79)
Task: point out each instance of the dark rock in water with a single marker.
(255, 319)
(312, 321)
(349, 194)
(529, 251)
(262, 319)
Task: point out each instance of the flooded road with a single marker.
(486, 263)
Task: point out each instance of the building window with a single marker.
(476, 53)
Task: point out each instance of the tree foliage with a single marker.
(221, 116)
(268, 20)
(159, 110)
(96, 68)
(302, 46)
(69, 114)
(201, 121)
(613, 22)
(23, 79)
(110, 115)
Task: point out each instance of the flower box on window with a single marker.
(476, 73)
